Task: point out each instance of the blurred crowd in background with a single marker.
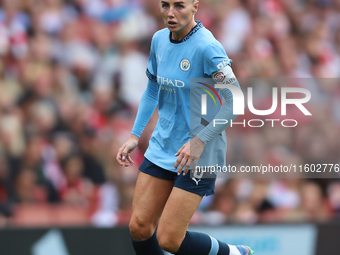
(72, 73)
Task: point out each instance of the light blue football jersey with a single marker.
(172, 64)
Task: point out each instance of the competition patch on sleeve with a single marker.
(224, 75)
(219, 77)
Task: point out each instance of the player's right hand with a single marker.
(124, 152)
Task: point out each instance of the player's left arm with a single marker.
(226, 111)
(191, 151)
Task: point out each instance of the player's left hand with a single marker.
(188, 153)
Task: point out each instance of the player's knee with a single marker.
(140, 230)
(168, 242)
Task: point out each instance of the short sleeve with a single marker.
(151, 71)
(215, 58)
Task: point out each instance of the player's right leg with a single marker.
(151, 194)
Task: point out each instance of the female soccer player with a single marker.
(165, 196)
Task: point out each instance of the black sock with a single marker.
(196, 243)
(148, 247)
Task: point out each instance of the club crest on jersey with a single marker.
(185, 65)
(219, 77)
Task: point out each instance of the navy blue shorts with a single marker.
(199, 186)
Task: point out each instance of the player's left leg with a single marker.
(172, 234)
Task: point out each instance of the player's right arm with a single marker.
(147, 106)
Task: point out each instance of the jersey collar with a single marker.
(198, 26)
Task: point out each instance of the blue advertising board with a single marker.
(268, 240)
